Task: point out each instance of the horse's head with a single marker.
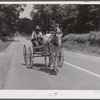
(57, 40)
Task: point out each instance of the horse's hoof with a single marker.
(55, 70)
(48, 65)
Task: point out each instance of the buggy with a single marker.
(31, 52)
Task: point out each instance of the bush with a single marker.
(89, 42)
(4, 39)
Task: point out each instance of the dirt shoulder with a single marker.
(5, 43)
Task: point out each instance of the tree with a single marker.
(88, 18)
(9, 15)
(25, 25)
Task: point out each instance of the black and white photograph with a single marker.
(50, 46)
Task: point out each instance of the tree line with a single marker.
(72, 18)
(76, 19)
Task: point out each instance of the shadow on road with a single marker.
(48, 70)
(41, 67)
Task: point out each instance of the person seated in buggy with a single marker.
(37, 37)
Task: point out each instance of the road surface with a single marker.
(79, 72)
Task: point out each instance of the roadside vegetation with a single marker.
(83, 42)
(3, 45)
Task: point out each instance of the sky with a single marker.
(27, 11)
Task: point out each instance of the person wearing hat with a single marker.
(37, 37)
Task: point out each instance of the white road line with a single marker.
(94, 74)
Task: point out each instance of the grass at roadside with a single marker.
(86, 43)
(4, 43)
(4, 46)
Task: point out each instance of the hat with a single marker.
(37, 27)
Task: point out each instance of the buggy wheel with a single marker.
(30, 57)
(25, 54)
(60, 59)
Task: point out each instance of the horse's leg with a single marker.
(45, 56)
(45, 61)
(54, 63)
(49, 60)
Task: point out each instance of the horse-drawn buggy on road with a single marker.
(51, 47)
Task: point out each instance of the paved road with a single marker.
(79, 72)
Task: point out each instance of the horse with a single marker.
(52, 46)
